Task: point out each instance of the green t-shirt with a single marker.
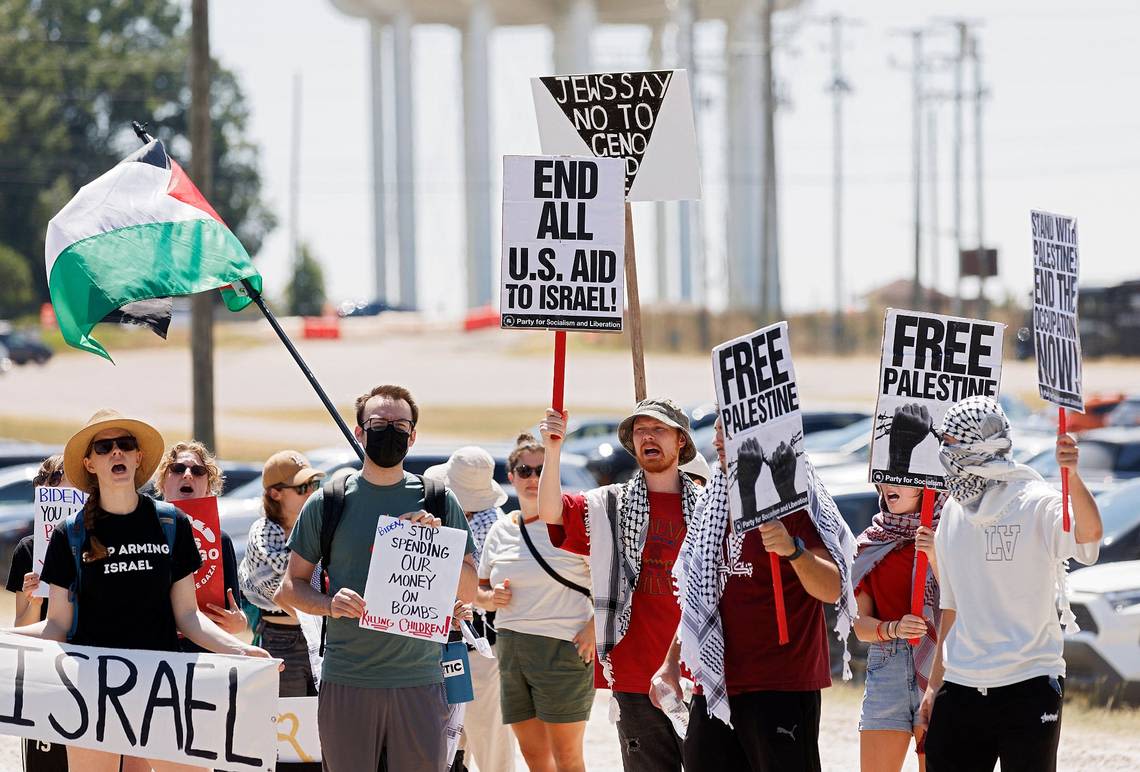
(355, 656)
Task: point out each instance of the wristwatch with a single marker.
(799, 549)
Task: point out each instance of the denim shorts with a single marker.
(892, 697)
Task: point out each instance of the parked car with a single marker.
(1125, 413)
(5, 359)
(16, 516)
(24, 348)
(366, 308)
(242, 506)
(1104, 657)
(1120, 515)
(18, 452)
(1107, 455)
(1098, 408)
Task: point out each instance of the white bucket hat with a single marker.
(697, 466)
(470, 474)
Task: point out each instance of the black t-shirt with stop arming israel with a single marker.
(124, 599)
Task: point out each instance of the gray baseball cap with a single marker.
(667, 412)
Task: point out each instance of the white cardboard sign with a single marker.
(206, 710)
(298, 740)
(563, 244)
(53, 507)
(1056, 331)
(763, 429)
(644, 118)
(929, 363)
(412, 579)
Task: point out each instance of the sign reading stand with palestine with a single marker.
(763, 429)
(644, 118)
(563, 244)
(930, 362)
(1056, 333)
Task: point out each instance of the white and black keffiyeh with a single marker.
(265, 562)
(699, 586)
(617, 517)
(480, 524)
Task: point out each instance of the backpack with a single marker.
(332, 509)
(76, 531)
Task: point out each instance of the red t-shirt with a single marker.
(888, 583)
(754, 660)
(655, 614)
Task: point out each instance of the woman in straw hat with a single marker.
(144, 594)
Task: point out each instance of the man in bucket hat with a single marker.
(632, 533)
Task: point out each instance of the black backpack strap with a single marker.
(435, 497)
(562, 580)
(332, 508)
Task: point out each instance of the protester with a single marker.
(189, 471)
(997, 683)
(698, 470)
(545, 625)
(758, 706)
(141, 604)
(897, 673)
(469, 474)
(23, 580)
(378, 691)
(631, 532)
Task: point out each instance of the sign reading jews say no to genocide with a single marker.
(644, 118)
(1056, 333)
(412, 579)
(763, 428)
(929, 363)
(563, 243)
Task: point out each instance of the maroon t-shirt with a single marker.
(754, 660)
(655, 615)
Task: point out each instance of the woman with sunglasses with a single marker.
(545, 625)
(23, 580)
(145, 599)
(190, 471)
(287, 480)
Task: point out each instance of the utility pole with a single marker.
(770, 268)
(201, 169)
(916, 130)
(295, 176)
(839, 88)
(959, 64)
(979, 97)
(932, 179)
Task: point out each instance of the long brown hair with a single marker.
(91, 514)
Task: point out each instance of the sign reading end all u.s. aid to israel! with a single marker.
(412, 579)
(929, 363)
(563, 244)
(644, 118)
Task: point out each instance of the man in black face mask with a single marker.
(378, 691)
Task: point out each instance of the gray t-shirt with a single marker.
(355, 656)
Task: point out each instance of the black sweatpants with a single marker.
(771, 732)
(1019, 724)
(648, 742)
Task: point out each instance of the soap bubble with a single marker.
(1023, 334)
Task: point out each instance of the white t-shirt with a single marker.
(539, 605)
(1001, 579)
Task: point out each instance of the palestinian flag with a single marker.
(141, 231)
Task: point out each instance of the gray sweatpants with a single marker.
(357, 723)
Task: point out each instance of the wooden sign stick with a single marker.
(633, 313)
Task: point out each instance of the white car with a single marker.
(1104, 656)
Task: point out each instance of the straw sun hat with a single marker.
(150, 443)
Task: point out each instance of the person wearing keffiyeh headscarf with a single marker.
(632, 533)
(997, 682)
(759, 701)
(897, 673)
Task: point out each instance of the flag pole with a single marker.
(269, 317)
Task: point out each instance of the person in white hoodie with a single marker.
(1002, 552)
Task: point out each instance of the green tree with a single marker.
(17, 294)
(73, 74)
(305, 295)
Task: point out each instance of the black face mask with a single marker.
(387, 447)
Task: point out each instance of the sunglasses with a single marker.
(524, 471)
(126, 443)
(301, 489)
(51, 479)
(179, 469)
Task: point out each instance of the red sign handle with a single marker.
(778, 596)
(557, 398)
(1062, 428)
(918, 591)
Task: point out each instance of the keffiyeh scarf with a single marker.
(480, 523)
(978, 463)
(887, 533)
(617, 518)
(699, 586)
(265, 562)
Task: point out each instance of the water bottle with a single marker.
(672, 706)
